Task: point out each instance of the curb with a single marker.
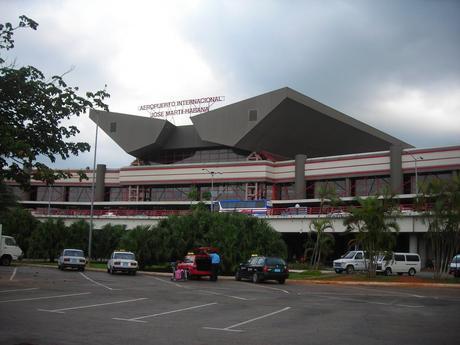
(294, 281)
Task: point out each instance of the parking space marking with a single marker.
(221, 294)
(139, 319)
(169, 282)
(45, 297)
(14, 273)
(372, 302)
(14, 290)
(97, 283)
(62, 310)
(391, 293)
(230, 328)
(270, 288)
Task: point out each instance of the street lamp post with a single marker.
(93, 184)
(212, 173)
(416, 172)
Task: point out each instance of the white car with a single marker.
(72, 258)
(454, 267)
(121, 261)
(350, 262)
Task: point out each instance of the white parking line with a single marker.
(61, 311)
(221, 294)
(18, 290)
(372, 302)
(46, 297)
(95, 282)
(14, 273)
(139, 319)
(229, 328)
(169, 282)
(268, 287)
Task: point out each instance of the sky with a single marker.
(394, 65)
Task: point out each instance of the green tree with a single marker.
(141, 241)
(106, 240)
(323, 242)
(375, 227)
(328, 197)
(48, 239)
(441, 199)
(32, 110)
(76, 235)
(237, 236)
(20, 224)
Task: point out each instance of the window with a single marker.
(260, 261)
(399, 257)
(359, 256)
(253, 115)
(413, 258)
(9, 241)
(113, 127)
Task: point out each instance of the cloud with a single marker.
(392, 64)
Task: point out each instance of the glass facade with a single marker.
(79, 194)
(57, 193)
(338, 186)
(199, 156)
(370, 185)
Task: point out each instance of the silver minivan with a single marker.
(399, 263)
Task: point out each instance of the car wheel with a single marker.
(111, 270)
(412, 272)
(237, 276)
(388, 271)
(134, 273)
(350, 269)
(255, 278)
(82, 269)
(282, 281)
(457, 274)
(108, 270)
(59, 267)
(6, 260)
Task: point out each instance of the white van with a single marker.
(352, 261)
(399, 263)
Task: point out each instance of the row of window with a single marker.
(353, 187)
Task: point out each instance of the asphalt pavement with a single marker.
(47, 306)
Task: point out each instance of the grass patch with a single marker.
(308, 274)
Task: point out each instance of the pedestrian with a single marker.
(215, 262)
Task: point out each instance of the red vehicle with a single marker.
(197, 262)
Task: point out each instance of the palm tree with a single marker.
(442, 198)
(376, 231)
(324, 241)
(328, 196)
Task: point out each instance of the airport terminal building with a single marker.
(281, 146)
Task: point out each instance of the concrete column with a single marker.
(413, 243)
(396, 174)
(300, 186)
(348, 186)
(100, 183)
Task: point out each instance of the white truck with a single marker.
(9, 250)
(352, 261)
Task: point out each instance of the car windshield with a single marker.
(275, 261)
(124, 256)
(188, 260)
(73, 253)
(350, 255)
(456, 259)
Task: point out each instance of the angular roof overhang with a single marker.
(287, 123)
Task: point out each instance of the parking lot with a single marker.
(48, 306)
